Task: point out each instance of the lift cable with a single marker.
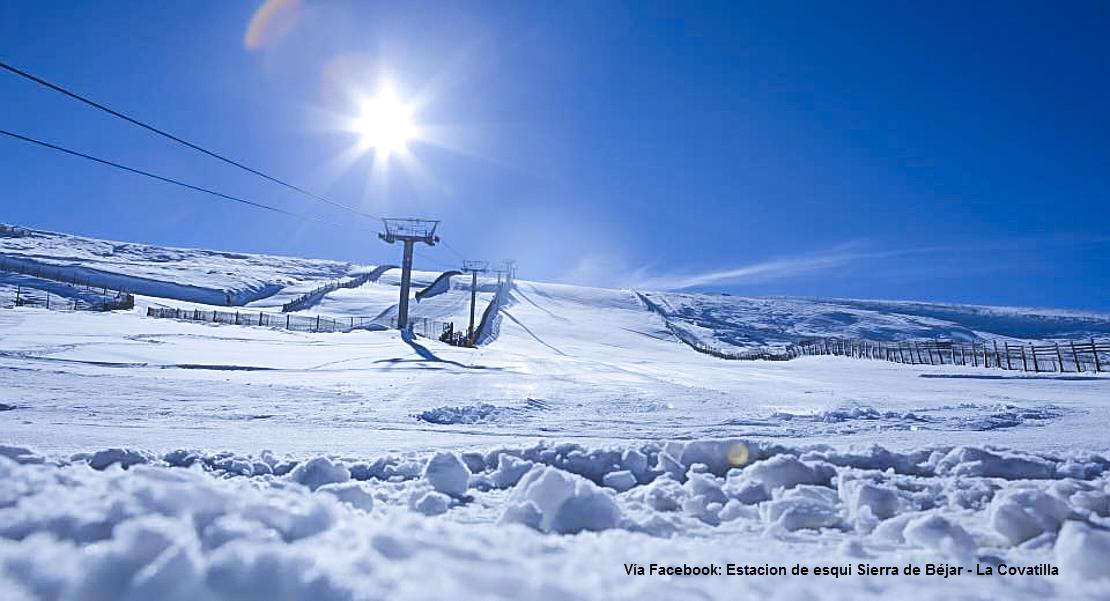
(165, 134)
(167, 179)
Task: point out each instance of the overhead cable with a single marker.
(164, 179)
(165, 134)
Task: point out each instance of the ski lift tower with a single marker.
(473, 268)
(409, 231)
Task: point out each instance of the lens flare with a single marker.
(739, 455)
(270, 22)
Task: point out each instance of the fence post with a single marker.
(1059, 357)
(1094, 351)
(1007, 345)
(1074, 355)
(1024, 363)
(286, 321)
(317, 322)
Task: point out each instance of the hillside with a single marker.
(160, 458)
(193, 275)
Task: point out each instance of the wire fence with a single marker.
(78, 301)
(1059, 356)
(1064, 356)
(428, 328)
(61, 290)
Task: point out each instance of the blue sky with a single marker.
(946, 151)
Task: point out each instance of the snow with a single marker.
(186, 274)
(150, 458)
(552, 500)
(447, 474)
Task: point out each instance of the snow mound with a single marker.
(470, 414)
(940, 534)
(1085, 549)
(1021, 514)
(219, 526)
(319, 471)
(447, 474)
(972, 461)
(551, 500)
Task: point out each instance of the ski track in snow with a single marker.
(156, 459)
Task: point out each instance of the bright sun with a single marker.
(385, 123)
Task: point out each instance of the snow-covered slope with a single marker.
(174, 273)
(151, 458)
(772, 321)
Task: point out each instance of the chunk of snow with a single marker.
(447, 474)
(719, 456)
(704, 497)
(1021, 514)
(509, 470)
(124, 457)
(861, 495)
(786, 471)
(552, 500)
(351, 493)
(619, 481)
(1084, 549)
(635, 462)
(318, 471)
(973, 461)
(795, 513)
(432, 503)
(940, 534)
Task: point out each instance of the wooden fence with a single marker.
(89, 300)
(1067, 356)
(427, 328)
(80, 294)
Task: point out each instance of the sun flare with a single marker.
(385, 123)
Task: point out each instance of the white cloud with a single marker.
(835, 257)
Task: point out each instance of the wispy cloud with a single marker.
(862, 255)
(787, 267)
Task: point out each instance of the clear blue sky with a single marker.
(950, 151)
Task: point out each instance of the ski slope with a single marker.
(756, 322)
(582, 442)
(201, 276)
